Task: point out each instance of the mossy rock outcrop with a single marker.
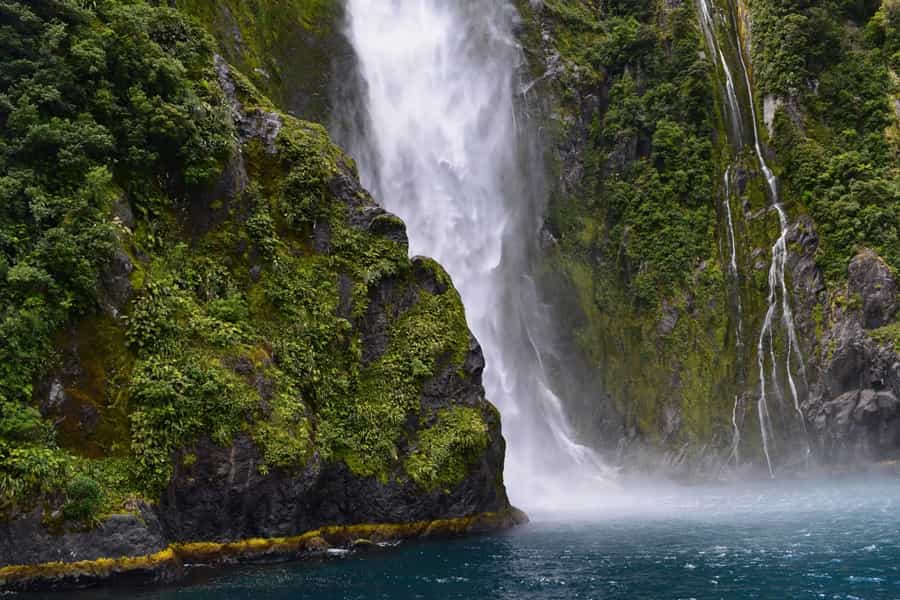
(257, 357)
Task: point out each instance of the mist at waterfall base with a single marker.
(763, 540)
(440, 144)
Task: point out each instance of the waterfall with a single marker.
(736, 432)
(776, 278)
(733, 266)
(733, 107)
(445, 150)
(739, 330)
(776, 271)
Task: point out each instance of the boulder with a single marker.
(871, 279)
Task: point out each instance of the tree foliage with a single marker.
(834, 61)
(101, 102)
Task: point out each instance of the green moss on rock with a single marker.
(264, 39)
(445, 450)
(256, 262)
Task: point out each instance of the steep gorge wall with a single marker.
(292, 50)
(638, 228)
(660, 326)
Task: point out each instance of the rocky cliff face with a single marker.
(853, 404)
(663, 236)
(259, 358)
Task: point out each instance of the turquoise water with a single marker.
(797, 540)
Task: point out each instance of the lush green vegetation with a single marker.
(242, 319)
(446, 449)
(97, 104)
(285, 47)
(646, 210)
(636, 236)
(838, 61)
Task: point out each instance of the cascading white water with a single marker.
(739, 331)
(732, 105)
(733, 109)
(733, 264)
(444, 153)
(779, 250)
(727, 205)
(776, 276)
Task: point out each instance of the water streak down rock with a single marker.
(777, 285)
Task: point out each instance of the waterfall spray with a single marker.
(443, 151)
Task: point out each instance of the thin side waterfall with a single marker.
(443, 149)
(739, 330)
(779, 250)
(776, 272)
(733, 109)
(736, 432)
(732, 105)
(733, 266)
(727, 202)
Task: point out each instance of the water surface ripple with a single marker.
(761, 540)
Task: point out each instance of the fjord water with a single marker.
(763, 540)
(443, 145)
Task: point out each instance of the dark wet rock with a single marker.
(322, 238)
(250, 124)
(668, 320)
(390, 227)
(223, 495)
(871, 279)
(807, 281)
(122, 213)
(623, 154)
(854, 407)
(465, 387)
(25, 540)
(430, 276)
(345, 293)
(116, 283)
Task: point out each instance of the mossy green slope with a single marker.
(637, 232)
(182, 262)
(288, 48)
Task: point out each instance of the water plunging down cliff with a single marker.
(266, 376)
(778, 298)
(446, 150)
